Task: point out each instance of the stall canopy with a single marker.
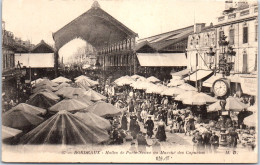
(198, 75)
(8, 132)
(251, 120)
(61, 80)
(30, 109)
(43, 100)
(162, 59)
(104, 109)
(35, 60)
(65, 128)
(69, 105)
(95, 120)
(231, 104)
(209, 82)
(20, 119)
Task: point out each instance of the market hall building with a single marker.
(164, 54)
(114, 42)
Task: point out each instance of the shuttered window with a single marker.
(221, 33)
(256, 32)
(245, 63)
(245, 35)
(231, 36)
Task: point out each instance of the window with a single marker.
(205, 59)
(231, 36)
(245, 66)
(245, 35)
(256, 32)
(221, 34)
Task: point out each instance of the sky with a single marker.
(36, 20)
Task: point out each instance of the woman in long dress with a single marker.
(124, 122)
(160, 135)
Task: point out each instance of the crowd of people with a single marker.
(150, 116)
(153, 116)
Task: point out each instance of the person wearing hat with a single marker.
(149, 125)
(124, 121)
(135, 130)
(206, 140)
(160, 135)
(144, 115)
(214, 141)
(198, 141)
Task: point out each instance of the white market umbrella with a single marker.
(199, 99)
(8, 132)
(185, 95)
(251, 120)
(153, 79)
(173, 91)
(232, 103)
(61, 80)
(174, 83)
(125, 80)
(188, 87)
(136, 76)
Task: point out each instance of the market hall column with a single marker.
(56, 63)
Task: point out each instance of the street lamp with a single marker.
(226, 61)
(211, 54)
(35, 74)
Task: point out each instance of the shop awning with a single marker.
(35, 60)
(249, 85)
(209, 82)
(162, 59)
(198, 75)
(234, 78)
(181, 73)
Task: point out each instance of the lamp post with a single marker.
(225, 63)
(35, 74)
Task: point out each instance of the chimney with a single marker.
(198, 27)
(228, 4)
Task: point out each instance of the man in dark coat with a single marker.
(149, 124)
(136, 130)
(206, 141)
(234, 137)
(124, 122)
(214, 141)
(198, 141)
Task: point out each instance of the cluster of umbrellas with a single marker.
(183, 92)
(78, 115)
(153, 85)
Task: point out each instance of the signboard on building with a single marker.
(249, 85)
(35, 60)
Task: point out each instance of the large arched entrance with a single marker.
(114, 42)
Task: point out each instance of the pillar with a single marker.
(56, 63)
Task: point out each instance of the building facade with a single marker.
(239, 27)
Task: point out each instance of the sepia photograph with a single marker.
(130, 81)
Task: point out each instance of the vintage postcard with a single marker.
(130, 81)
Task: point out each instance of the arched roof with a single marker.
(95, 26)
